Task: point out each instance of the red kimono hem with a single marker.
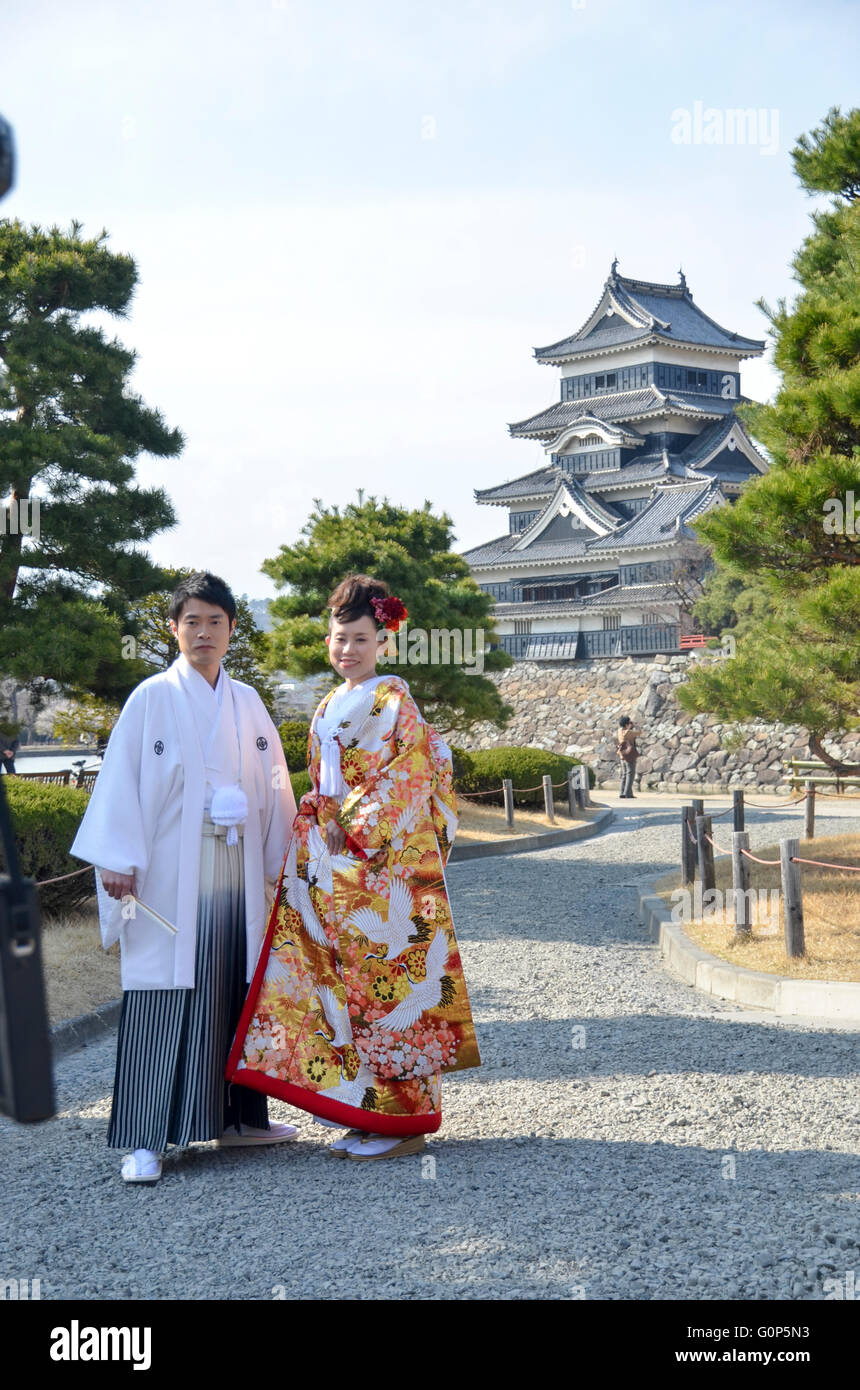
(351, 1116)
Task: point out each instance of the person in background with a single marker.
(628, 753)
(7, 754)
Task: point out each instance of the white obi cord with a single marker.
(331, 782)
(229, 807)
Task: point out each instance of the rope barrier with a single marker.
(43, 882)
(795, 858)
(760, 806)
(823, 864)
(515, 791)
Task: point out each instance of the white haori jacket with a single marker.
(145, 816)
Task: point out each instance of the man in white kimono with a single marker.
(187, 826)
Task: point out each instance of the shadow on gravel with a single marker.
(532, 1217)
(556, 900)
(636, 1044)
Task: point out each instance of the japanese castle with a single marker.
(643, 440)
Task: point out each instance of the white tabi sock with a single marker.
(145, 1159)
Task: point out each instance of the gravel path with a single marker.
(626, 1138)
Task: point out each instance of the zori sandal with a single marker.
(142, 1166)
(376, 1146)
(340, 1146)
(233, 1138)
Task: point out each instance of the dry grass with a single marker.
(79, 974)
(478, 822)
(831, 914)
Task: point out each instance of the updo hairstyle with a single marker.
(351, 599)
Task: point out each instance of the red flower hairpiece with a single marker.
(389, 611)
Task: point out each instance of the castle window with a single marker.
(522, 625)
(697, 380)
(611, 621)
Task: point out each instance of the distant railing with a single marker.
(693, 640)
(65, 778)
(581, 646)
(813, 772)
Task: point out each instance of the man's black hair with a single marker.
(624, 721)
(205, 586)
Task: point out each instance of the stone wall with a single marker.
(575, 709)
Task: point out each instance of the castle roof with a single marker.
(635, 312)
(649, 402)
(665, 520)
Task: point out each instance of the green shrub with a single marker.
(463, 765)
(46, 820)
(294, 741)
(525, 766)
(301, 783)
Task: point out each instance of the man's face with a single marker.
(203, 632)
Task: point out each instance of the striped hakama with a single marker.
(172, 1044)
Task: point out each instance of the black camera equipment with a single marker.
(7, 157)
(26, 1082)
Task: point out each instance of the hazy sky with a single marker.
(354, 219)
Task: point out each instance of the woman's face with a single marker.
(353, 649)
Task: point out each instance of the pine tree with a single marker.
(73, 522)
(411, 552)
(790, 547)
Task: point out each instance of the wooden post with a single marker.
(698, 808)
(549, 805)
(583, 782)
(691, 842)
(741, 883)
(572, 793)
(809, 809)
(688, 849)
(705, 853)
(508, 790)
(792, 899)
(738, 809)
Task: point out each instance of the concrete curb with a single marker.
(531, 842)
(74, 1033)
(836, 1001)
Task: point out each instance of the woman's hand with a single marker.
(116, 885)
(335, 837)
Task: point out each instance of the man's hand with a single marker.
(116, 885)
(335, 837)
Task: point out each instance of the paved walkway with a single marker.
(626, 1138)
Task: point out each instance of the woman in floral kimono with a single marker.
(358, 1003)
